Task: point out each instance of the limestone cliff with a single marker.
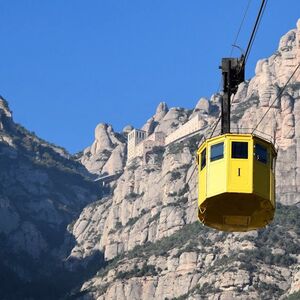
(147, 228)
(107, 154)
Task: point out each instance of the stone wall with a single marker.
(195, 124)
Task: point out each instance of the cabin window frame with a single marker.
(216, 157)
(243, 155)
(261, 157)
(273, 162)
(203, 159)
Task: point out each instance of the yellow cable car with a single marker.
(236, 171)
(236, 182)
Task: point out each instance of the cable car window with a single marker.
(217, 152)
(239, 150)
(203, 159)
(261, 153)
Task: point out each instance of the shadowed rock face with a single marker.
(148, 227)
(41, 191)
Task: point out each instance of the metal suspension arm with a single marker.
(233, 72)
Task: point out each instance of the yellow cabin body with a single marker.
(236, 182)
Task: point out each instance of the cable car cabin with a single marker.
(236, 182)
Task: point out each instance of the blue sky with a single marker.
(67, 65)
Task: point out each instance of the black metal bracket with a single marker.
(233, 73)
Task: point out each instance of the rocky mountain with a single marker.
(42, 190)
(107, 154)
(62, 237)
(148, 231)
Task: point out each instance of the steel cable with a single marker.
(240, 27)
(254, 31)
(279, 95)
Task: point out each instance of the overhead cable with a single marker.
(279, 95)
(254, 31)
(240, 27)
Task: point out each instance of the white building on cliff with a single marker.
(139, 143)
